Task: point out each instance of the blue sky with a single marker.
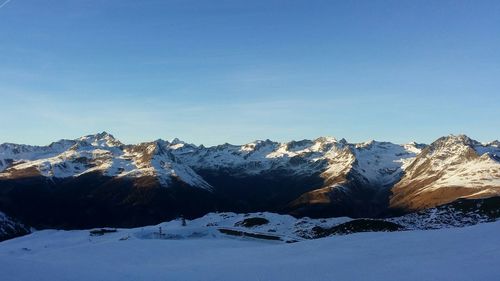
(234, 71)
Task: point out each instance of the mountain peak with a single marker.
(454, 140)
(461, 138)
(495, 143)
(176, 141)
(103, 139)
(104, 134)
(367, 144)
(327, 139)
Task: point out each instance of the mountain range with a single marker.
(96, 180)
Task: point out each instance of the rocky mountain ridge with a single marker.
(158, 180)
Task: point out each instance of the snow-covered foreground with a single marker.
(469, 253)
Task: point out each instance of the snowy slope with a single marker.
(459, 213)
(448, 254)
(10, 153)
(382, 163)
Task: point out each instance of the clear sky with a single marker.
(234, 71)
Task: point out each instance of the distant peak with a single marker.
(160, 142)
(415, 144)
(326, 139)
(256, 145)
(457, 139)
(101, 135)
(258, 141)
(453, 142)
(176, 141)
(366, 144)
(462, 137)
(104, 134)
(493, 143)
(103, 139)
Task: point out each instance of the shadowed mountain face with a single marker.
(93, 200)
(98, 181)
(11, 228)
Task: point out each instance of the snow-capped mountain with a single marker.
(100, 153)
(358, 180)
(452, 167)
(97, 175)
(378, 163)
